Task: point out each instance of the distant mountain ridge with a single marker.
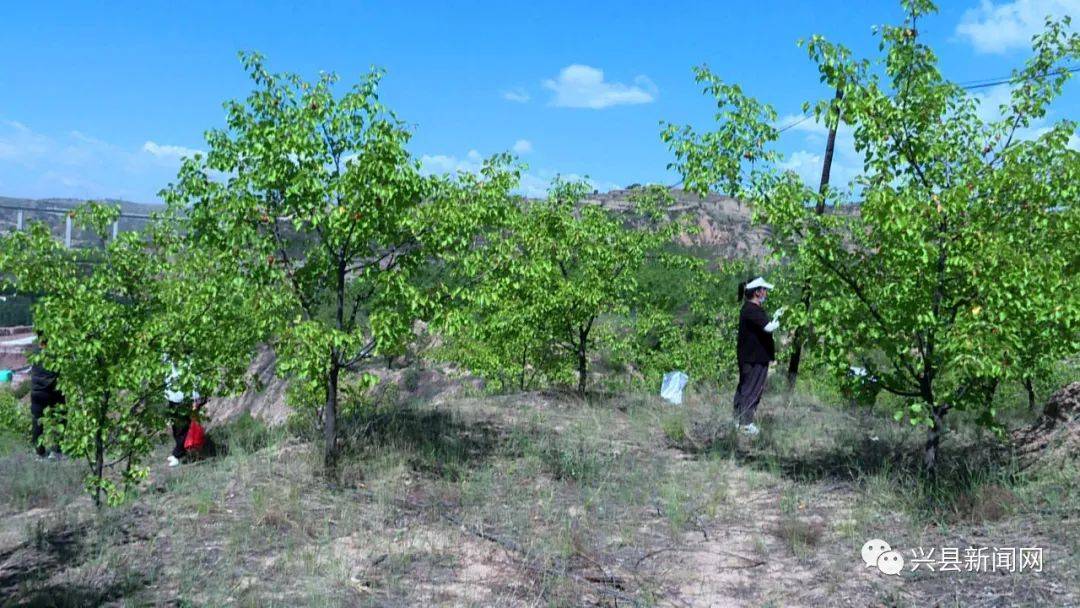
(725, 224)
(44, 210)
(71, 203)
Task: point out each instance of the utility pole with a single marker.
(833, 119)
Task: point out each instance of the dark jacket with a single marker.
(754, 344)
(43, 388)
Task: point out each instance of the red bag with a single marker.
(196, 436)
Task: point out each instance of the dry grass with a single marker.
(541, 499)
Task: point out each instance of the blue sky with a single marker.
(101, 99)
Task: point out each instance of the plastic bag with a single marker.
(196, 436)
(672, 387)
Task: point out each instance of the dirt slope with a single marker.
(528, 499)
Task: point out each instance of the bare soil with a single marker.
(539, 499)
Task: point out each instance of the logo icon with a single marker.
(890, 562)
(877, 553)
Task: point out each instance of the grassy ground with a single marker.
(545, 499)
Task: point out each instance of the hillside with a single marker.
(724, 222)
(543, 499)
(725, 226)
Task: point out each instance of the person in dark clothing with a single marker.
(44, 394)
(754, 350)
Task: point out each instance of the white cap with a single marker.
(758, 282)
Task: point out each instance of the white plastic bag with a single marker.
(672, 387)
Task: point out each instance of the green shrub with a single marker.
(699, 431)
(569, 456)
(14, 416)
(674, 428)
(246, 434)
(859, 391)
(410, 379)
(574, 459)
(21, 389)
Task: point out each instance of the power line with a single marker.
(989, 82)
(794, 124)
(994, 83)
(968, 86)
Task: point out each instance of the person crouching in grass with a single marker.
(181, 406)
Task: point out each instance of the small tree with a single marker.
(965, 240)
(561, 266)
(107, 315)
(213, 313)
(317, 196)
(684, 318)
(93, 306)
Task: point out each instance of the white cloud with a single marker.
(442, 163)
(999, 28)
(1040, 128)
(19, 144)
(806, 161)
(806, 164)
(77, 165)
(846, 166)
(582, 86)
(990, 101)
(522, 146)
(533, 186)
(518, 95)
(801, 159)
(169, 152)
(847, 163)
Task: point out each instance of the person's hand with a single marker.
(772, 326)
(779, 313)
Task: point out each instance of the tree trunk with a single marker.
(583, 362)
(99, 449)
(583, 370)
(796, 355)
(99, 466)
(1030, 393)
(819, 209)
(330, 448)
(933, 441)
(524, 361)
(330, 452)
